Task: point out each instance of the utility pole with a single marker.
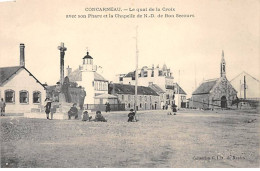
(136, 70)
(244, 87)
(179, 91)
(195, 78)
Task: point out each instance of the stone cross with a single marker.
(62, 49)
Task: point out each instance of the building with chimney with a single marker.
(247, 86)
(147, 98)
(214, 93)
(161, 77)
(87, 76)
(19, 88)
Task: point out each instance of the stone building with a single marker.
(180, 96)
(147, 98)
(20, 89)
(160, 76)
(87, 76)
(214, 93)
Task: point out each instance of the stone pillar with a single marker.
(62, 49)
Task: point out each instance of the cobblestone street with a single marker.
(189, 139)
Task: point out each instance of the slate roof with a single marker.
(181, 91)
(130, 74)
(130, 89)
(76, 75)
(156, 88)
(98, 77)
(205, 87)
(7, 72)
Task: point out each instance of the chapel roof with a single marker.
(205, 87)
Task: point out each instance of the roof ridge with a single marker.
(246, 74)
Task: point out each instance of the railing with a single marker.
(102, 107)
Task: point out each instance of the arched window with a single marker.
(36, 97)
(9, 96)
(24, 96)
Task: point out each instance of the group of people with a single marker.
(98, 118)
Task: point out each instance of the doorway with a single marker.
(223, 102)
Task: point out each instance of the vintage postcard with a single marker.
(130, 84)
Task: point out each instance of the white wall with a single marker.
(88, 83)
(22, 81)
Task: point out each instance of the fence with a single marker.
(102, 107)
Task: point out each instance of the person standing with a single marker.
(169, 109)
(47, 107)
(2, 107)
(108, 109)
(174, 109)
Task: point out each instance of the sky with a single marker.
(192, 46)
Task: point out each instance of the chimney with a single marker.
(22, 60)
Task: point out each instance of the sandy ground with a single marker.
(189, 139)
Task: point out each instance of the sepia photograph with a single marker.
(130, 84)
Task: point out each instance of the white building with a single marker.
(246, 86)
(157, 76)
(88, 77)
(19, 88)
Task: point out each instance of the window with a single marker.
(145, 98)
(123, 97)
(129, 105)
(36, 97)
(9, 96)
(145, 74)
(140, 105)
(24, 96)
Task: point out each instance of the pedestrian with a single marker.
(131, 116)
(47, 106)
(107, 107)
(2, 107)
(174, 109)
(169, 110)
(73, 111)
(99, 117)
(86, 116)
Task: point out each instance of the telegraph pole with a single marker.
(136, 70)
(244, 87)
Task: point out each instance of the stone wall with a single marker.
(144, 102)
(222, 89)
